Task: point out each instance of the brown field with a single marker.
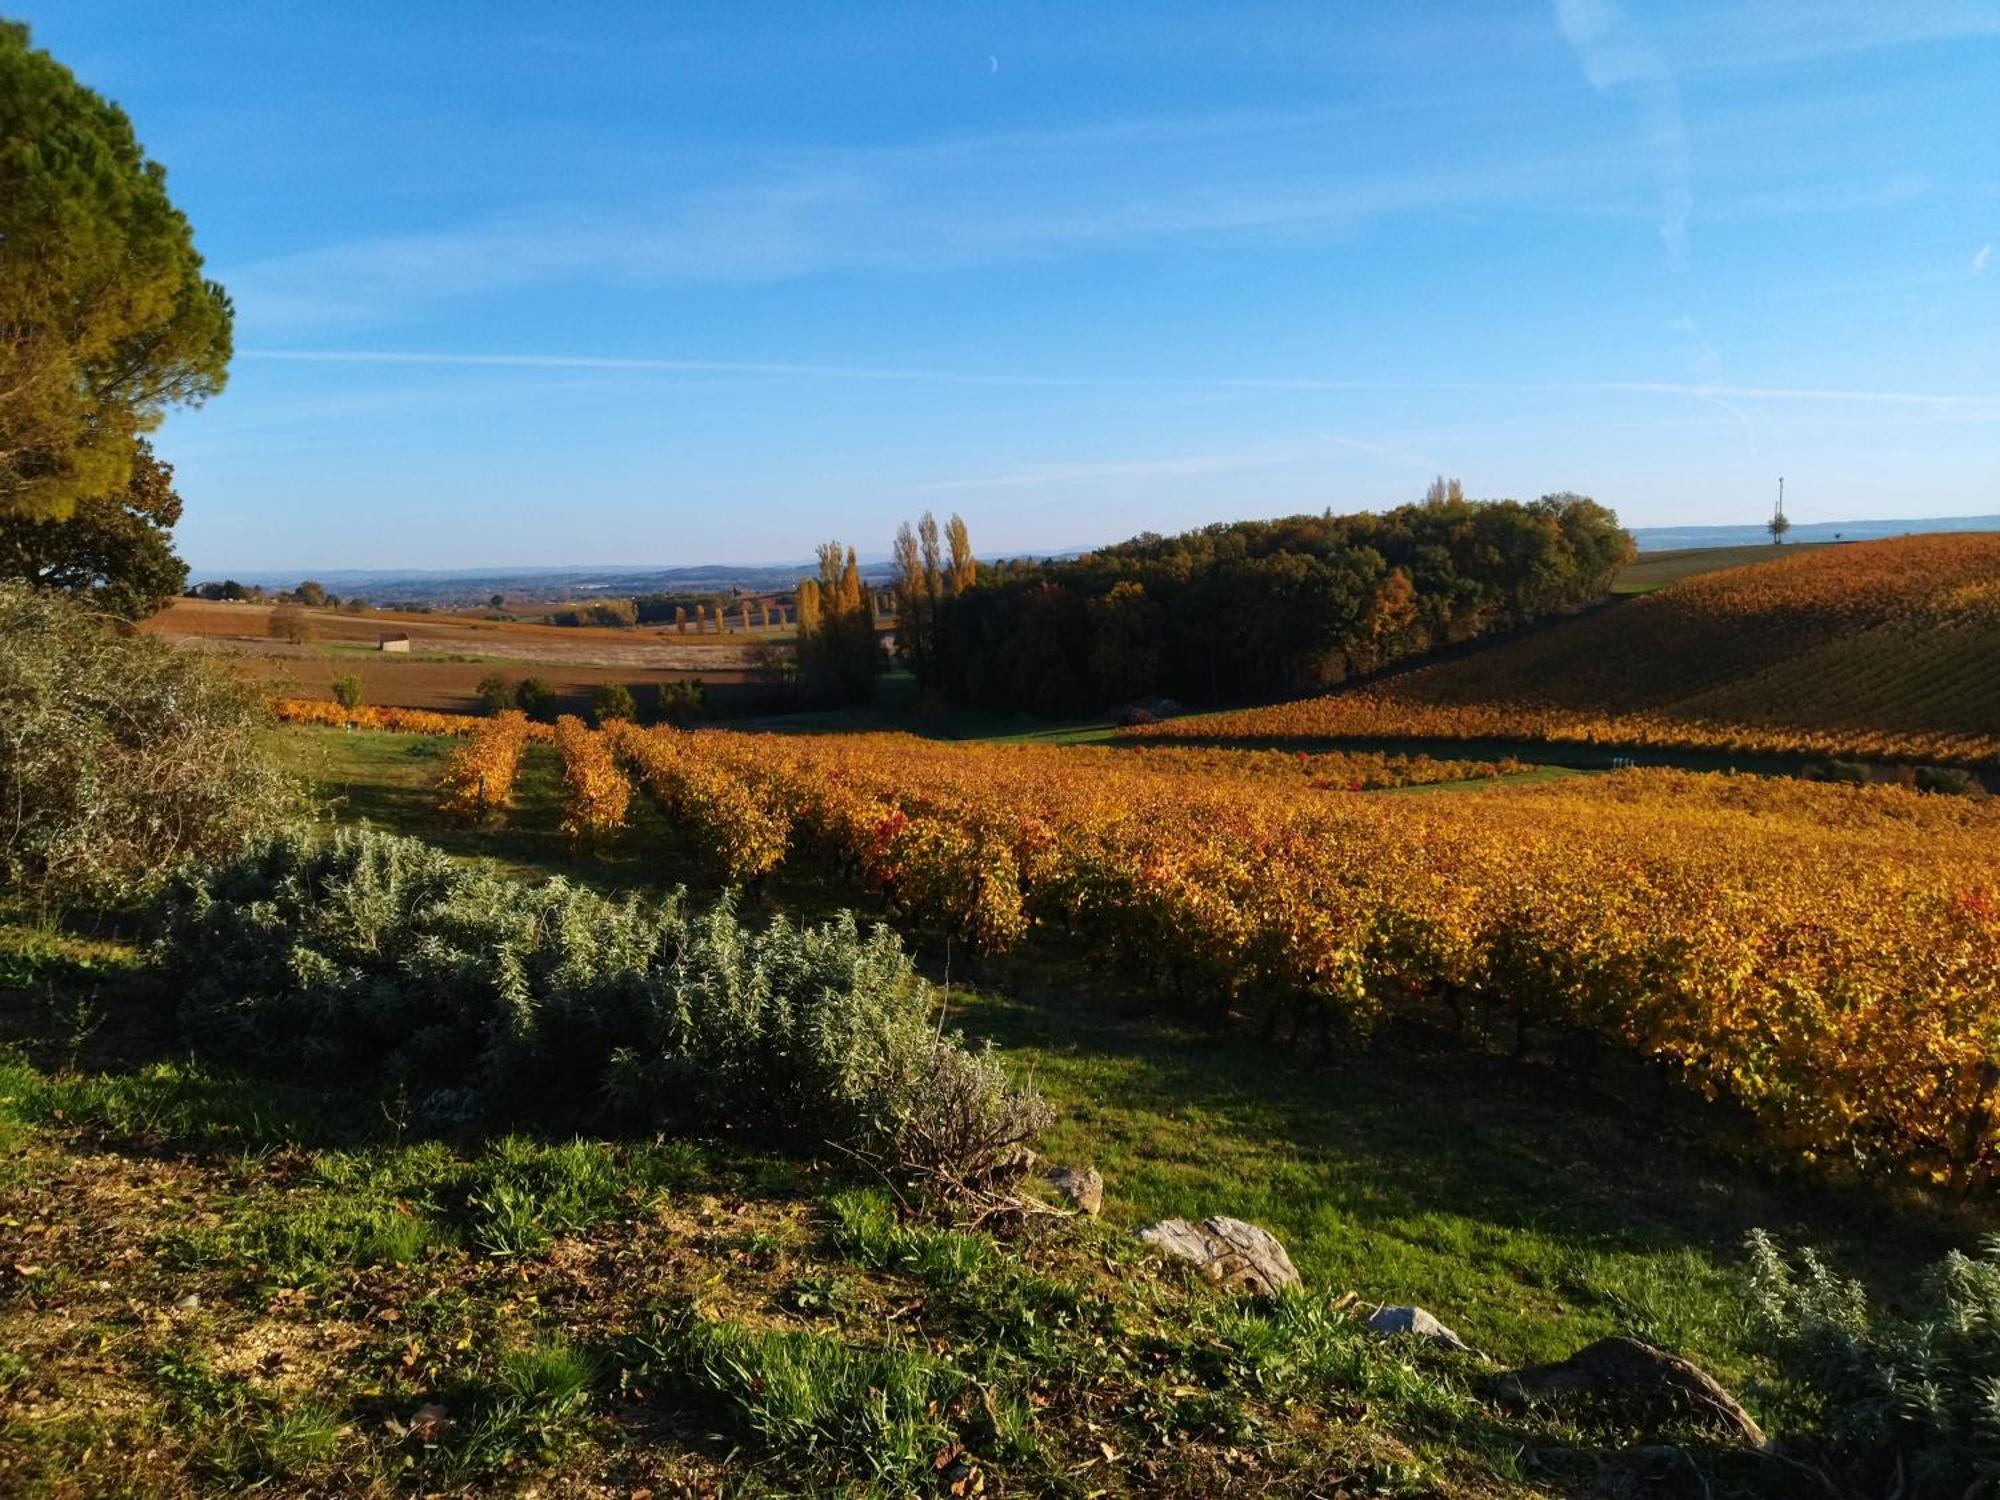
(468, 635)
(449, 654)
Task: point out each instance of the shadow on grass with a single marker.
(1498, 1191)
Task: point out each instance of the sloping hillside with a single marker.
(1886, 649)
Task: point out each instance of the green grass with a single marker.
(1655, 570)
(395, 1205)
(389, 780)
(1529, 1215)
(806, 1397)
(1533, 776)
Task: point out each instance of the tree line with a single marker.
(1253, 609)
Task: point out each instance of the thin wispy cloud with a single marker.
(1617, 58)
(1174, 466)
(1983, 259)
(1790, 393)
(1384, 451)
(1692, 390)
(1756, 39)
(1272, 180)
(1183, 465)
(643, 364)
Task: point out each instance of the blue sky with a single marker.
(653, 283)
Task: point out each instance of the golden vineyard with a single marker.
(1882, 650)
(1827, 957)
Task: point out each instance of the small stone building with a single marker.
(393, 643)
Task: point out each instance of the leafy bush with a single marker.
(347, 691)
(496, 694)
(1948, 780)
(288, 622)
(371, 954)
(612, 700)
(682, 703)
(119, 756)
(1911, 1392)
(535, 698)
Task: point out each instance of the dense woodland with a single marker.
(1261, 608)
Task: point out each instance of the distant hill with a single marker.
(449, 587)
(1886, 649)
(444, 587)
(1669, 538)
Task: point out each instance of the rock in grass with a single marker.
(1414, 1321)
(430, 1421)
(1082, 1188)
(1649, 1383)
(1228, 1252)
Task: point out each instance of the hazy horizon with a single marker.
(1649, 538)
(722, 281)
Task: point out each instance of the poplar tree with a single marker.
(927, 533)
(907, 585)
(928, 571)
(837, 653)
(964, 566)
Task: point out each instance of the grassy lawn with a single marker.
(1528, 1212)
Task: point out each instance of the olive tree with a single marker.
(120, 756)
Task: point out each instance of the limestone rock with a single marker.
(1082, 1188)
(1415, 1322)
(1649, 1382)
(431, 1421)
(1227, 1251)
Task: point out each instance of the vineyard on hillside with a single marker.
(1887, 650)
(1826, 956)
